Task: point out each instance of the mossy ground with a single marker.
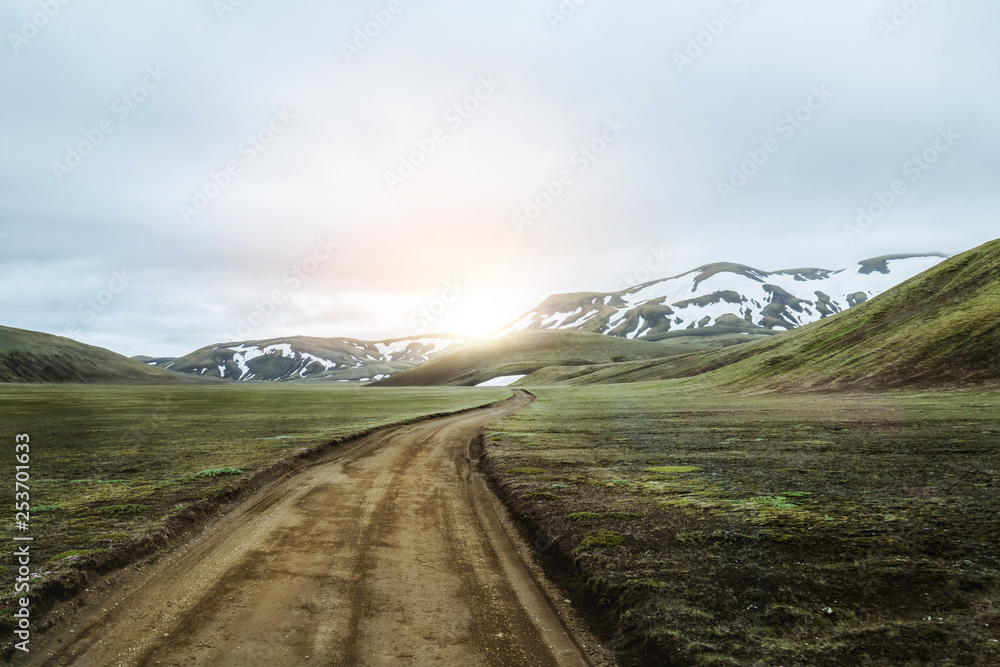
(816, 530)
(110, 466)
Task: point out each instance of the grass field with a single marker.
(113, 467)
(715, 529)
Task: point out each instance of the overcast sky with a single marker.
(177, 174)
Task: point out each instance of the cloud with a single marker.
(354, 121)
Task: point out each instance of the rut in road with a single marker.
(386, 552)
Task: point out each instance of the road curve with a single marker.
(387, 551)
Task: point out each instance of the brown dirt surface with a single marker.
(389, 550)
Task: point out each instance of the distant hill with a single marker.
(940, 328)
(724, 298)
(527, 351)
(305, 358)
(33, 357)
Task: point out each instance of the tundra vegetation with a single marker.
(118, 470)
(701, 528)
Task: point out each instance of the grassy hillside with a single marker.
(33, 357)
(527, 351)
(939, 328)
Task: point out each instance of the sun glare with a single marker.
(474, 321)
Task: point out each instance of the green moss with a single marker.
(70, 554)
(583, 516)
(612, 482)
(733, 536)
(130, 508)
(179, 481)
(111, 537)
(774, 501)
(780, 502)
(651, 584)
(602, 539)
(525, 471)
(716, 660)
(671, 470)
(540, 495)
(216, 472)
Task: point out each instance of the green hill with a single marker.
(940, 328)
(33, 357)
(527, 351)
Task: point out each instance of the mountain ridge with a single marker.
(939, 328)
(308, 358)
(725, 296)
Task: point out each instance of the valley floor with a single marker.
(711, 529)
(690, 526)
(383, 552)
(118, 472)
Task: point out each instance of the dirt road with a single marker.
(388, 551)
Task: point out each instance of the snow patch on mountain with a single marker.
(301, 358)
(730, 297)
(502, 381)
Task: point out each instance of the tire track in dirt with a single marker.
(384, 552)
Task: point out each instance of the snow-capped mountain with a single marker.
(300, 358)
(725, 298)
